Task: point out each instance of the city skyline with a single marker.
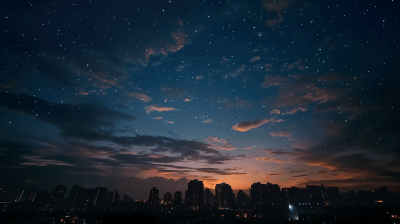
(135, 95)
(160, 191)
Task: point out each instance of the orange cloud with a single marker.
(275, 111)
(269, 159)
(215, 139)
(180, 41)
(294, 110)
(159, 109)
(285, 133)
(220, 144)
(157, 118)
(199, 77)
(248, 125)
(141, 96)
(187, 99)
(255, 58)
(169, 122)
(249, 148)
(322, 164)
(208, 121)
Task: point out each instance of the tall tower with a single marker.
(177, 198)
(195, 195)
(153, 197)
(224, 196)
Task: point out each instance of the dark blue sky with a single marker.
(131, 94)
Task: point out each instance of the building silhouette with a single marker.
(224, 196)
(177, 198)
(57, 194)
(208, 197)
(153, 197)
(241, 198)
(195, 195)
(167, 200)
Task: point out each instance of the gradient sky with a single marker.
(136, 94)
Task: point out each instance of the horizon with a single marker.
(144, 194)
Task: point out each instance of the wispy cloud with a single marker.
(275, 111)
(255, 58)
(236, 102)
(220, 144)
(269, 159)
(140, 96)
(284, 133)
(208, 121)
(169, 122)
(273, 81)
(157, 118)
(248, 125)
(294, 110)
(159, 109)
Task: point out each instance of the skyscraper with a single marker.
(208, 197)
(167, 200)
(177, 198)
(195, 195)
(241, 197)
(153, 197)
(57, 194)
(224, 197)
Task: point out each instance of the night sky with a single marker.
(137, 94)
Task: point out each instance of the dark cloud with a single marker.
(92, 122)
(279, 152)
(366, 147)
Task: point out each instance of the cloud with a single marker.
(229, 104)
(220, 144)
(269, 159)
(289, 67)
(199, 77)
(173, 93)
(157, 118)
(276, 8)
(159, 109)
(218, 171)
(284, 133)
(294, 110)
(169, 122)
(187, 99)
(279, 152)
(248, 148)
(255, 58)
(273, 81)
(236, 72)
(248, 125)
(79, 121)
(299, 91)
(140, 96)
(275, 111)
(208, 121)
(363, 149)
